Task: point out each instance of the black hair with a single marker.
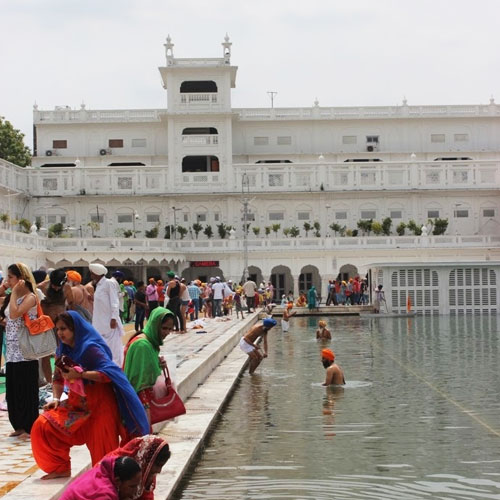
(163, 455)
(168, 315)
(14, 269)
(58, 277)
(125, 468)
(67, 319)
(140, 283)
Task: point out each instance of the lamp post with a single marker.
(245, 184)
(135, 216)
(175, 221)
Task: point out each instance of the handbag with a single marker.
(41, 324)
(36, 346)
(166, 403)
(40, 342)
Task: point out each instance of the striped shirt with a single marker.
(194, 292)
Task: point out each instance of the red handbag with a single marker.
(166, 403)
(39, 325)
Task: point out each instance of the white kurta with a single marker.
(106, 308)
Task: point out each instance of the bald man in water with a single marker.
(334, 374)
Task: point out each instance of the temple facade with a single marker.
(206, 189)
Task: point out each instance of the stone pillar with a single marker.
(295, 286)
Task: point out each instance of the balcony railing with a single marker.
(269, 243)
(298, 177)
(202, 98)
(200, 140)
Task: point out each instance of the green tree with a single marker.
(5, 220)
(197, 228)
(256, 230)
(335, 227)
(267, 229)
(276, 228)
(24, 225)
(12, 147)
(307, 228)
(317, 227)
(222, 230)
(401, 229)
(377, 228)
(294, 231)
(412, 226)
(439, 226)
(182, 231)
(386, 226)
(365, 225)
(286, 231)
(56, 230)
(208, 231)
(152, 233)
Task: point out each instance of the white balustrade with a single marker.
(200, 140)
(199, 98)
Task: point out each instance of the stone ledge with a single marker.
(190, 375)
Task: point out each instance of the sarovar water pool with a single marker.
(419, 417)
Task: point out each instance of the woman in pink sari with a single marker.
(114, 478)
(151, 453)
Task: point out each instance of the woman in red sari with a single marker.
(151, 453)
(101, 407)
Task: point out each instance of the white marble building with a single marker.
(104, 174)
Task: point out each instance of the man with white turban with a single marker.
(106, 314)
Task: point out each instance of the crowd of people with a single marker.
(96, 399)
(101, 391)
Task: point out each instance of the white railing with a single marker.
(268, 243)
(200, 140)
(299, 177)
(314, 112)
(13, 178)
(338, 113)
(202, 98)
(110, 115)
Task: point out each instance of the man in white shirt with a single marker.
(218, 289)
(250, 288)
(106, 315)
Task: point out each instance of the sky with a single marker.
(106, 53)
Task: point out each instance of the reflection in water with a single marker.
(418, 418)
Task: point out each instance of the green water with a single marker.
(419, 417)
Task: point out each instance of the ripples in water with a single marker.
(417, 419)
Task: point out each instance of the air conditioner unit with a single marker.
(104, 152)
(51, 152)
(371, 147)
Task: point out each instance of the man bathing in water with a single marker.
(287, 314)
(334, 374)
(322, 333)
(248, 345)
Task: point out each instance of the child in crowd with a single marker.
(237, 303)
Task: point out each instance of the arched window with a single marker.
(198, 87)
(200, 164)
(200, 131)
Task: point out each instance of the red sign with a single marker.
(204, 263)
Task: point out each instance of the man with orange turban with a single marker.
(334, 374)
(82, 300)
(322, 333)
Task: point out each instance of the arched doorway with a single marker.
(202, 273)
(347, 271)
(309, 276)
(255, 274)
(282, 280)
